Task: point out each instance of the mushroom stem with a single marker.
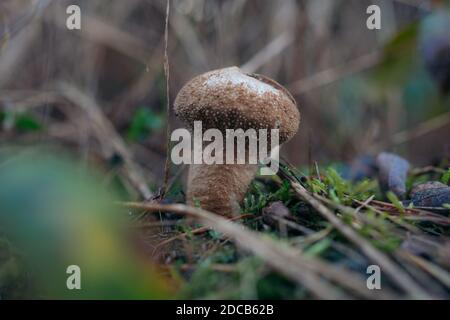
(219, 188)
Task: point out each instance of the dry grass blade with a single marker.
(216, 267)
(187, 35)
(14, 53)
(407, 226)
(167, 74)
(196, 231)
(107, 136)
(422, 129)
(101, 32)
(398, 275)
(274, 48)
(415, 3)
(414, 214)
(331, 75)
(306, 271)
(440, 274)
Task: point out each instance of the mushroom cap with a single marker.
(231, 99)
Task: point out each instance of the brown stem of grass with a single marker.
(167, 74)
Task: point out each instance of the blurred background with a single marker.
(359, 90)
(99, 93)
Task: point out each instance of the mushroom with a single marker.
(231, 99)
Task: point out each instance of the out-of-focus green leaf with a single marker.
(27, 123)
(399, 59)
(23, 122)
(446, 177)
(318, 248)
(58, 215)
(144, 122)
(336, 182)
(395, 201)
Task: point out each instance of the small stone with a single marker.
(430, 194)
(393, 171)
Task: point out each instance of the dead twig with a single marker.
(106, 34)
(422, 129)
(438, 273)
(167, 74)
(412, 213)
(13, 54)
(274, 48)
(226, 268)
(108, 137)
(197, 231)
(331, 75)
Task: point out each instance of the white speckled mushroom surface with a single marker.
(233, 76)
(230, 99)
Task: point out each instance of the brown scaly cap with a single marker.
(230, 99)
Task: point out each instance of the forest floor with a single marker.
(311, 236)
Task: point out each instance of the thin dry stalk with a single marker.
(422, 129)
(437, 272)
(107, 136)
(14, 52)
(101, 32)
(269, 52)
(226, 268)
(197, 231)
(331, 75)
(167, 74)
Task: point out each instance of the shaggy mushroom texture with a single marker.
(230, 99)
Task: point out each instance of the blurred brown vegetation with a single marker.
(116, 62)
